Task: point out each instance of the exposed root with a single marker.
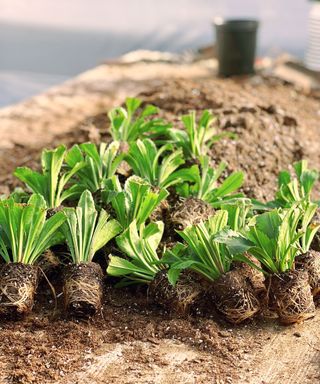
(268, 304)
(82, 289)
(234, 297)
(48, 261)
(291, 293)
(177, 299)
(53, 291)
(252, 275)
(310, 262)
(189, 211)
(18, 284)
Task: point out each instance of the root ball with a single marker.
(310, 262)
(234, 297)
(291, 293)
(83, 289)
(18, 284)
(177, 299)
(252, 275)
(189, 211)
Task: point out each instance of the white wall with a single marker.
(44, 41)
(283, 22)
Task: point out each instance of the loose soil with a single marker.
(132, 341)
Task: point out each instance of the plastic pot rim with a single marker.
(236, 23)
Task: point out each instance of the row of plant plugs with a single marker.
(153, 194)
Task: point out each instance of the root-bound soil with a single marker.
(135, 342)
(18, 284)
(178, 299)
(252, 275)
(187, 212)
(310, 262)
(291, 293)
(234, 297)
(82, 289)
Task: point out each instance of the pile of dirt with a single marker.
(269, 138)
(275, 126)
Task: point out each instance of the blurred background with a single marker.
(44, 42)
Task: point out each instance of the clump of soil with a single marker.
(291, 295)
(268, 137)
(178, 299)
(18, 284)
(310, 262)
(82, 289)
(187, 212)
(160, 211)
(52, 211)
(252, 275)
(234, 297)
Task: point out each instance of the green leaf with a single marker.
(105, 231)
(153, 233)
(230, 184)
(269, 223)
(238, 212)
(308, 228)
(284, 178)
(49, 235)
(132, 104)
(153, 165)
(135, 202)
(86, 231)
(149, 111)
(275, 236)
(218, 222)
(90, 150)
(127, 124)
(34, 180)
(97, 164)
(74, 156)
(52, 182)
(173, 276)
(202, 183)
(121, 267)
(206, 253)
(198, 136)
(236, 243)
(25, 231)
(297, 189)
(139, 245)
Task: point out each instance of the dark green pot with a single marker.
(236, 46)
